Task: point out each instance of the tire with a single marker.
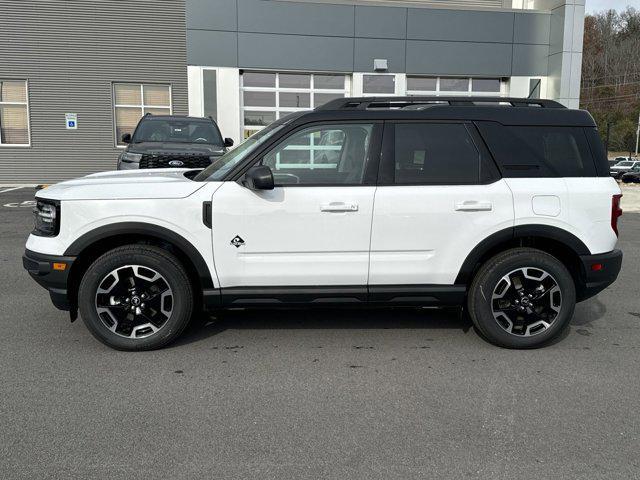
(494, 302)
(112, 293)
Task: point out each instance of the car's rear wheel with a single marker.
(136, 297)
(522, 298)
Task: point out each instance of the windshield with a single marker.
(624, 164)
(218, 169)
(177, 130)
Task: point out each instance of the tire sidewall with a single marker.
(489, 277)
(175, 277)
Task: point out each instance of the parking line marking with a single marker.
(11, 189)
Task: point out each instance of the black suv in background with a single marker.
(165, 141)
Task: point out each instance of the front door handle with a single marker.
(339, 207)
(473, 206)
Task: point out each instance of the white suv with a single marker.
(504, 206)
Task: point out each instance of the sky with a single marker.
(599, 5)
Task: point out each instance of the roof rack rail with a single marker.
(363, 103)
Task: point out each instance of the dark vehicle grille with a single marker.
(162, 160)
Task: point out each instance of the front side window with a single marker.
(134, 100)
(322, 155)
(435, 154)
(14, 113)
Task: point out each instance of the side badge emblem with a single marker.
(237, 241)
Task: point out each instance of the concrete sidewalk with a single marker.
(630, 197)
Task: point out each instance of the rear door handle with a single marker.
(473, 206)
(339, 207)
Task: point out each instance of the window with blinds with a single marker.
(131, 101)
(14, 113)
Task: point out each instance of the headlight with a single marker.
(130, 157)
(47, 218)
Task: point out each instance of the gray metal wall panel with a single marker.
(458, 58)
(367, 49)
(211, 47)
(296, 52)
(532, 28)
(71, 52)
(212, 15)
(381, 22)
(459, 25)
(557, 33)
(530, 59)
(321, 36)
(295, 18)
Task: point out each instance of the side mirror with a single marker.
(126, 138)
(228, 142)
(259, 177)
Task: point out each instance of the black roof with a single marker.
(508, 111)
(151, 116)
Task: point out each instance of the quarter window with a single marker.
(133, 100)
(322, 155)
(14, 113)
(542, 151)
(268, 96)
(435, 153)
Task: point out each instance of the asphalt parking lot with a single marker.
(327, 394)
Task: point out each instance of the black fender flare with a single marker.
(513, 233)
(147, 229)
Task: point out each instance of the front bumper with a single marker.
(598, 272)
(41, 268)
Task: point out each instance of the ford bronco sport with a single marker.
(503, 206)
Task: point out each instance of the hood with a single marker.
(125, 184)
(164, 148)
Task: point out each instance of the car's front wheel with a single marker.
(136, 297)
(522, 298)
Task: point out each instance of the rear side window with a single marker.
(435, 154)
(539, 151)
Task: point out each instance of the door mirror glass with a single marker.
(259, 177)
(126, 138)
(228, 142)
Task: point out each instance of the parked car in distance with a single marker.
(172, 141)
(623, 167)
(632, 176)
(504, 206)
(616, 160)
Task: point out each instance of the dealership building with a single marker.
(77, 74)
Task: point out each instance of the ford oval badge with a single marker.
(176, 163)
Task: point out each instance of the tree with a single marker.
(611, 74)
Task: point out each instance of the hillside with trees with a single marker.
(611, 75)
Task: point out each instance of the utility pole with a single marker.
(638, 135)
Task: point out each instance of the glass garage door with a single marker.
(267, 96)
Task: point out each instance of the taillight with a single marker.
(616, 212)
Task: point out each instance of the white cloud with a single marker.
(600, 5)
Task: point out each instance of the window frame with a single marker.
(488, 171)
(372, 161)
(142, 105)
(277, 110)
(25, 103)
